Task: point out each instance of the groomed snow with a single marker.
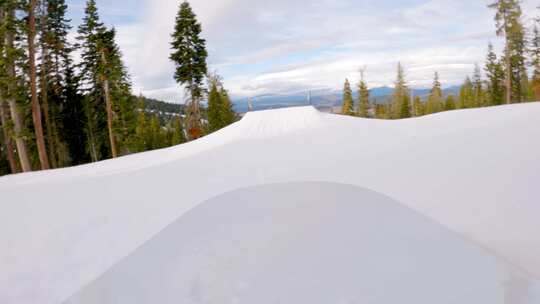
(475, 172)
(314, 243)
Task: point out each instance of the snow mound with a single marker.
(271, 123)
(312, 243)
(475, 172)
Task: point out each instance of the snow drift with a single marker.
(475, 172)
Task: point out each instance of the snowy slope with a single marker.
(475, 172)
(308, 243)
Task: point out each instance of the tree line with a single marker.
(56, 113)
(507, 78)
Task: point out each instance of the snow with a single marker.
(289, 243)
(473, 172)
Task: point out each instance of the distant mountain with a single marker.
(323, 98)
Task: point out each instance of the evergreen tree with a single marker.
(435, 99)
(419, 107)
(178, 136)
(405, 107)
(5, 122)
(348, 102)
(466, 95)
(189, 55)
(10, 82)
(88, 33)
(495, 78)
(106, 84)
(509, 25)
(215, 105)
(477, 87)
(450, 103)
(363, 98)
(535, 63)
(116, 85)
(220, 111)
(36, 107)
(400, 96)
(228, 114)
(73, 117)
(382, 111)
(54, 65)
(7, 146)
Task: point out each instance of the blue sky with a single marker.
(284, 46)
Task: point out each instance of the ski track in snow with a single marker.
(476, 172)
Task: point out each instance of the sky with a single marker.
(289, 46)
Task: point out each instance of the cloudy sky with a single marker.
(286, 46)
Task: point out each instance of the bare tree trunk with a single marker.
(508, 78)
(4, 117)
(194, 128)
(110, 117)
(7, 138)
(508, 60)
(44, 90)
(36, 109)
(109, 108)
(15, 115)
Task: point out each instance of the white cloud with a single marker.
(270, 46)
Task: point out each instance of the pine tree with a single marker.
(178, 132)
(466, 94)
(495, 78)
(535, 63)
(36, 107)
(6, 137)
(477, 87)
(73, 117)
(11, 54)
(189, 55)
(54, 65)
(450, 103)
(363, 98)
(108, 102)
(400, 95)
(141, 140)
(419, 107)
(5, 122)
(228, 114)
(88, 39)
(220, 110)
(116, 87)
(348, 102)
(509, 26)
(380, 111)
(435, 99)
(215, 105)
(405, 107)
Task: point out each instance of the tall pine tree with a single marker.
(478, 89)
(400, 96)
(36, 107)
(435, 99)
(508, 23)
(189, 55)
(107, 88)
(363, 97)
(348, 102)
(466, 94)
(495, 78)
(535, 63)
(10, 81)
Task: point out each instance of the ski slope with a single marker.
(466, 178)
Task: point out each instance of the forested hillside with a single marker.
(56, 113)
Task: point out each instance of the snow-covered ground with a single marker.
(107, 232)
